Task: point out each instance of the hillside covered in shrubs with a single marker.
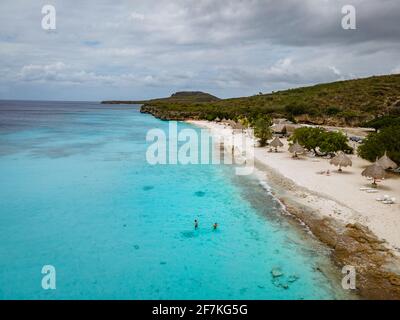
(343, 103)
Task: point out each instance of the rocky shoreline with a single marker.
(377, 268)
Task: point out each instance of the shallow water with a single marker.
(78, 194)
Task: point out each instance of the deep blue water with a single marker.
(77, 193)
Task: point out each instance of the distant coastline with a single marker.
(178, 97)
(122, 102)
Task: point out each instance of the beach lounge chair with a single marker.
(388, 201)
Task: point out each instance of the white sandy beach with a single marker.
(337, 196)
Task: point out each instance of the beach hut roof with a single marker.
(341, 160)
(276, 143)
(375, 171)
(238, 126)
(278, 128)
(296, 148)
(386, 163)
(235, 125)
(291, 127)
(231, 123)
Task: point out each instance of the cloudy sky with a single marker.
(120, 49)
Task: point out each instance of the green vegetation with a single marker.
(308, 138)
(385, 139)
(351, 102)
(317, 139)
(245, 122)
(331, 111)
(296, 109)
(262, 130)
(382, 122)
(334, 142)
(376, 144)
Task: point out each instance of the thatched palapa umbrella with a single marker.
(231, 123)
(341, 160)
(296, 148)
(276, 143)
(235, 126)
(374, 171)
(278, 128)
(238, 126)
(386, 163)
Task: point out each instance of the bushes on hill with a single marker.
(349, 115)
(296, 109)
(332, 111)
(345, 102)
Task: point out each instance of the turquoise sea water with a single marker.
(77, 193)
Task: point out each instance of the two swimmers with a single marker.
(196, 225)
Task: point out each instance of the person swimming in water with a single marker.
(196, 224)
(215, 226)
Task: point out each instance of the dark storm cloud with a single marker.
(292, 22)
(123, 49)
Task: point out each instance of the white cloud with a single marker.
(158, 46)
(41, 72)
(61, 73)
(335, 70)
(396, 70)
(136, 16)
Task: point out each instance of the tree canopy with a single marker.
(314, 139)
(262, 130)
(376, 144)
(382, 122)
(307, 137)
